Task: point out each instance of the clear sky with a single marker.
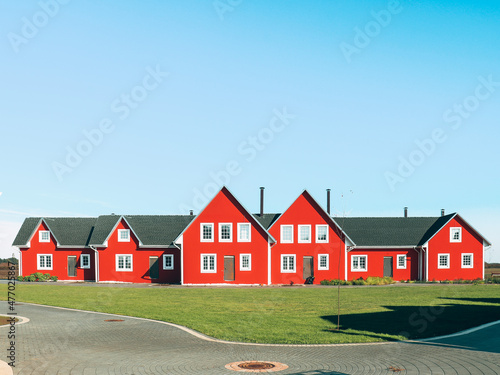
(146, 107)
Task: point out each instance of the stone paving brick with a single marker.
(67, 342)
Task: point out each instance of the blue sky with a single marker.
(146, 107)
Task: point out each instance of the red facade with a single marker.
(319, 255)
(224, 255)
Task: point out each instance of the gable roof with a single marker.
(150, 230)
(67, 231)
(225, 190)
(267, 219)
(392, 231)
(319, 208)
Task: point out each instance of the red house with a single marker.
(226, 244)
(310, 244)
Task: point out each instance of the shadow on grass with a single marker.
(418, 322)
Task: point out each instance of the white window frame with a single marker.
(230, 239)
(40, 236)
(120, 231)
(317, 232)
(117, 258)
(211, 239)
(82, 257)
(215, 263)
(38, 267)
(471, 260)
(327, 267)
(447, 255)
(454, 230)
(398, 257)
(164, 259)
(288, 270)
(240, 239)
(281, 233)
(249, 267)
(299, 227)
(359, 269)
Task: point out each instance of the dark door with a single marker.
(229, 268)
(308, 267)
(388, 266)
(72, 266)
(154, 268)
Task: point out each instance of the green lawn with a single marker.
(292, 315)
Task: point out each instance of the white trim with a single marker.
(327, 234)
(359, 269)
(164, 257)
(249, 268)
(249, 239)
(45, 267)
(454, 230)
(215, 263)
(281, 233)
(299, 227)
(447, 261)
(212, 233)
(81, 261)
(327, 267)
(294, 263)
(120, 231)
(40, 236)
(269, 262)
(230, 239)
(398, 256)
(471, 260)
(131, 269)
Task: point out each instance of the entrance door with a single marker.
(229, 268)
(308, 267)
(154, 268)
(72, 266)
(388, 266)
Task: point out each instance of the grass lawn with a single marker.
(291, 315)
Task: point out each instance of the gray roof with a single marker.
(266, 220)
(68, 231)
(391, 231)
(152, 230)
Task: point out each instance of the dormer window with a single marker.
(456, 234)
(123, 235)
(44, 236)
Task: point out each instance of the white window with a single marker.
(304, 233)
(225, 232)
(323, 263)
(245, 262)
(123, 235)
(287, 234)
(123, 262)
(44, 261)
(467, 260)
(321, 233)
(443, 260)
(287, 263)
(168, 261)
(208, 263)
(206, 232)
(44, 236)
(359, 263)
(244, 232)
(401, 261)
(456, 234)
(85, 261)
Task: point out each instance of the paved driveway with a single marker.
(60, 341)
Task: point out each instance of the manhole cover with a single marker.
(256, 366)
(114, 320)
